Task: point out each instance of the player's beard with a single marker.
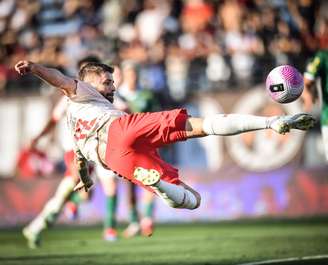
(109, 97)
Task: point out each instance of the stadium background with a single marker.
(209, 56)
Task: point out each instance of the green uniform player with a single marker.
(138, 100)
(318, 69)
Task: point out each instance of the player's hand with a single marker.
(24, 67)
(85, 186)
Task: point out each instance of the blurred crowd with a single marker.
(180, 46)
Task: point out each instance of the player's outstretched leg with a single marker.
(232, 124)
(182, 196)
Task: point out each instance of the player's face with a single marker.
(106, 86)
(104, 83)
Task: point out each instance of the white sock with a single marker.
(56, 203)
(175, 196)
(53, 206)
(231, 124)
(38, 224)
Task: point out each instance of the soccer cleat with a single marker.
(132, 230)
(302, 121)
(147, 177)
(110, 234)
(147, 226)
(33, 239)
(283, 124)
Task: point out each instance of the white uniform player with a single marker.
(54, 206)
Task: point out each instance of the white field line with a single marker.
(275, 261)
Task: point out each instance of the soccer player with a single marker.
(127, 144)
(65, 194)
(318, 69)
(65, 191)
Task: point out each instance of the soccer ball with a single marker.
(284, 84)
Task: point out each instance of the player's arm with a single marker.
(50, 75)
(83, 173)
(51, 124)
(57, 113)
(309, 94)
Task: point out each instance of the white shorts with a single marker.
(102, 172)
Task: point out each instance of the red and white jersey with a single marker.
(87, 112)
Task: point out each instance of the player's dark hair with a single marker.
(95, 68)
(88, 59)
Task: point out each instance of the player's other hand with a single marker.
(23, 67)
(85, 186)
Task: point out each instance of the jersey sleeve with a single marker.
(85, 92)
(314, 66)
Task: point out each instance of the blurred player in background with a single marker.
(138, 100)
(64, 191)
(318, 69)
(130, 100)
(128, 144)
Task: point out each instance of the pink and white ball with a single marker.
(284, 84)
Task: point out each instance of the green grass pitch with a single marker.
(213, 243)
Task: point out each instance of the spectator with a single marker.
(179, 45)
